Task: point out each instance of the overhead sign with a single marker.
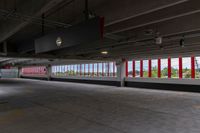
(83, 33)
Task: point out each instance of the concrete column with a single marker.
(49, 72)
(121, 71)
(19, 72)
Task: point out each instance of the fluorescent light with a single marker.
(104, 52)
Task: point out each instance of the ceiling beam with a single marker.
(12, 27)
(182, 10)
(166, 5)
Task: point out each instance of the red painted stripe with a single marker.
(108, 69)
(192, 67)
(180, 68)
(169, 67)
(126, 68)
(141, 68)
(73, 69)
(84, 69)
(159, 68)
(92, 70)
(88, 69)
(149, 70)
(77, 69)
(133, 68)
(80, 69)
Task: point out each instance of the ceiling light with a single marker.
(104, 52)
(59, 41)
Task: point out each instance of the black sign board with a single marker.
(83, 33)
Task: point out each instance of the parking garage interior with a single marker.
(99, 66)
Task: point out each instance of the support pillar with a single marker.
(19, 72)
(121, 71)
(49, 72)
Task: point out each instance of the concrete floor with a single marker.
(31, 106)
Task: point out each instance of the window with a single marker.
(197, 67)
(82, 69)
(186, 67)
(154, 68)
(75, 70)
(104, 69)
(174, 68)
(100, 69)
(95, 70)
(130, 68)
(137, 69)
(86, 70)
(164, 68)
(115, 69)
(145, 68)
(91, 70)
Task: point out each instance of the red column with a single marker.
(88, 69)
(150, 74)
(133, 68)
(77, 69)
(93, 70)
(108, 69)
(73, 69)
(180, 68)
(126, 68)
(80, 70)
(169, 67)
(159, 68)
(84, 69)
(192, 67)
(141, 68)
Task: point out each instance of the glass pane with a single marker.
(115, 69)
(137, 69)
(95, 70)
(82, 69)
(100, 69)
(154, 69)
(197, 67)
(164, 68)
(110, 69)
(187, 67)
(145, 68)
(174, 67)
(130, 69)
(75, 70)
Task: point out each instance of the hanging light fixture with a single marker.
(158, 40)
(104, 52)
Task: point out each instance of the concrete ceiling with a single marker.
(130, 27)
